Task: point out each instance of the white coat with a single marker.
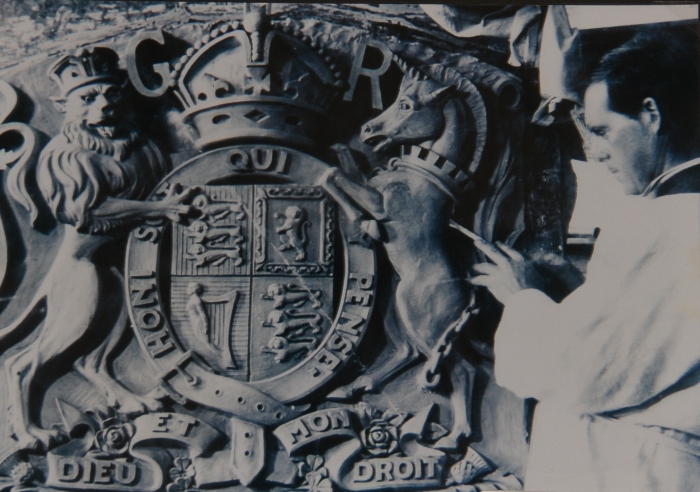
(615, 366)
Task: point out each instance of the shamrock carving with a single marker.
(182, 474)
(316, 475)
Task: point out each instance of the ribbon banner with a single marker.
(116, 456)
(313, 427)
(195, 434)
(393, 472)
(412, 466)
(85, 473)
(75, 466)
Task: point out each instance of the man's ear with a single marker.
(650, 115)
(60, 103)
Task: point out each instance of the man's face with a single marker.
(96, 105)
(626, 145)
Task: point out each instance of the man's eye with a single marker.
(88, 98)
(404, 106)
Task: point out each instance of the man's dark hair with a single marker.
(663, 66)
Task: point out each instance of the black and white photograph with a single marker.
(335, 247)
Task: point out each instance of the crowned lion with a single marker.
(94, 177)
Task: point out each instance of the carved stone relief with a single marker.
(235, 258)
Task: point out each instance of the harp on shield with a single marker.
(220, 310)
(214, 319)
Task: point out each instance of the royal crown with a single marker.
(86, 66)
(251, 79)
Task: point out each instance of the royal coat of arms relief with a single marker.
(239, 262)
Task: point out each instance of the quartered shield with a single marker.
(252, 280)
(260, 298)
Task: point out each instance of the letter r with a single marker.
(372, 73)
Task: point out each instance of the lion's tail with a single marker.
(305, 233)
(20, 162)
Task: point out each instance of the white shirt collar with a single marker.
(661, 179)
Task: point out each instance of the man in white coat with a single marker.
(615, 366)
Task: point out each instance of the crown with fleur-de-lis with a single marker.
(85, 67)
(255, 79)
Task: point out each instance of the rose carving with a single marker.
(380, 438)
(115, 437)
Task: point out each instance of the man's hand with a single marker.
(509, 273)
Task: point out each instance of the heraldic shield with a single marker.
(252, 278)
(257, 298)
(260, 298)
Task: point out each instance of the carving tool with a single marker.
(471, 235)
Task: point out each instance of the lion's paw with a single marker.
(37, 439)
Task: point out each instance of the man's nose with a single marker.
(597, 151)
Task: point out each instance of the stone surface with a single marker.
(289, 286)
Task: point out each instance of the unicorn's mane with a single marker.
(447, 76)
